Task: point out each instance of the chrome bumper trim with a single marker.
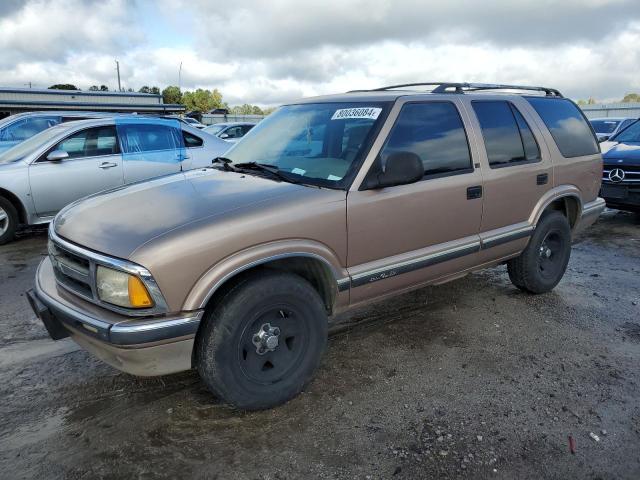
(131, 332)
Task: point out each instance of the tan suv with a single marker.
(328, 203)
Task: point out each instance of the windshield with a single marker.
(631, 134)
(28, 146)
(320, 143)
(604, 126)
(213, 129)
(191, 120)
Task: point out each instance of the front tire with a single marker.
(263, 341)
(542, 264)
(8, 221)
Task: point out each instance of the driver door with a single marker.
(94, 164)
(405, 235)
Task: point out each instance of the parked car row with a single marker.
(234, 270)
(22, 126)
(71, 160)
(608, 127)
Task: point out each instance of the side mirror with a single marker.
(57, 156)
(604, 138)
(224, 135)
(401, 168)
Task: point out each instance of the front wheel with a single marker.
(542, 264)
(262, 342)
(8, 221)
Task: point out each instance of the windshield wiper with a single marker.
(270, 169)
(225, 162)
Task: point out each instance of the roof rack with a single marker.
(449, 87)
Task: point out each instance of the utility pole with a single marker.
(180, 77)
(118, 70)
(28, 84)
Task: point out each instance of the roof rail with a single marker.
(449, 87)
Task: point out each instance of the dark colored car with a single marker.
(621, 172)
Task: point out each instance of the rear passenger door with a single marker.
(150, 148)
(518, 171)
(405, 235)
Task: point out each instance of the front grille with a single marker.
(72, 271)
(631, 174)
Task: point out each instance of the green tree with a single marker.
(63, 86)
(154, 90)
(256, 110)
(94, 88)
(202, 100)
(144, 89)
(104, 88)
(631, 98)
(172, 95)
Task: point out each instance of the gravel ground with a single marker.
(472, 379)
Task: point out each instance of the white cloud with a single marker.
(273, 52)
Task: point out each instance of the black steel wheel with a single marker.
(542, 264)
(262, 342)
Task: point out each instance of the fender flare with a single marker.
(227, 268)
(556, 193)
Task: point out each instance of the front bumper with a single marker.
(621, 196)
(141, 346)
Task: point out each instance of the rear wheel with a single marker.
(263, 341)
(8, 221)
(542, 264)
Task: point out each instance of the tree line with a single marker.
(200, 100)
(628, 98)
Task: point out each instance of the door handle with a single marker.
(181, 157)
(474, 192)
(542, 179)
(105, 165)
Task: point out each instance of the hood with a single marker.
(119, 221)
(623, 153)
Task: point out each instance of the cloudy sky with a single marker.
(270, 52)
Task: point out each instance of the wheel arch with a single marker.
(15, 201)
(565, 199)
(315, 263)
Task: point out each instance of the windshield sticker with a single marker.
(361, 112)
(298, 171)
(334, 178)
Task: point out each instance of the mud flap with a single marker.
(52, 324)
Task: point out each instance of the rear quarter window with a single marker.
(567, 125)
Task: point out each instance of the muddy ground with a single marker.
(473, 379)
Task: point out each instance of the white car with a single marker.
(607, 127)
(72, 160)
(230, 132)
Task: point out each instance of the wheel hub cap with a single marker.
(266, 339)
(4, 221)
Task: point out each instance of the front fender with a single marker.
(257, 255)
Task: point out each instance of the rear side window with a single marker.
(143, 137)
(567, 125)
(507, 137)
(433, 131)
(191, 141)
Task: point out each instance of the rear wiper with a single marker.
(225, 162)
(270, 169)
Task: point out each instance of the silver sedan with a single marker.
(76, 159)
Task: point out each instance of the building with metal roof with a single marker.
(16, 100)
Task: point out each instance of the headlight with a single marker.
(122, 289)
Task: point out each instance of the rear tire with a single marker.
(8, 221)
(263, 341)
(542, 264)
